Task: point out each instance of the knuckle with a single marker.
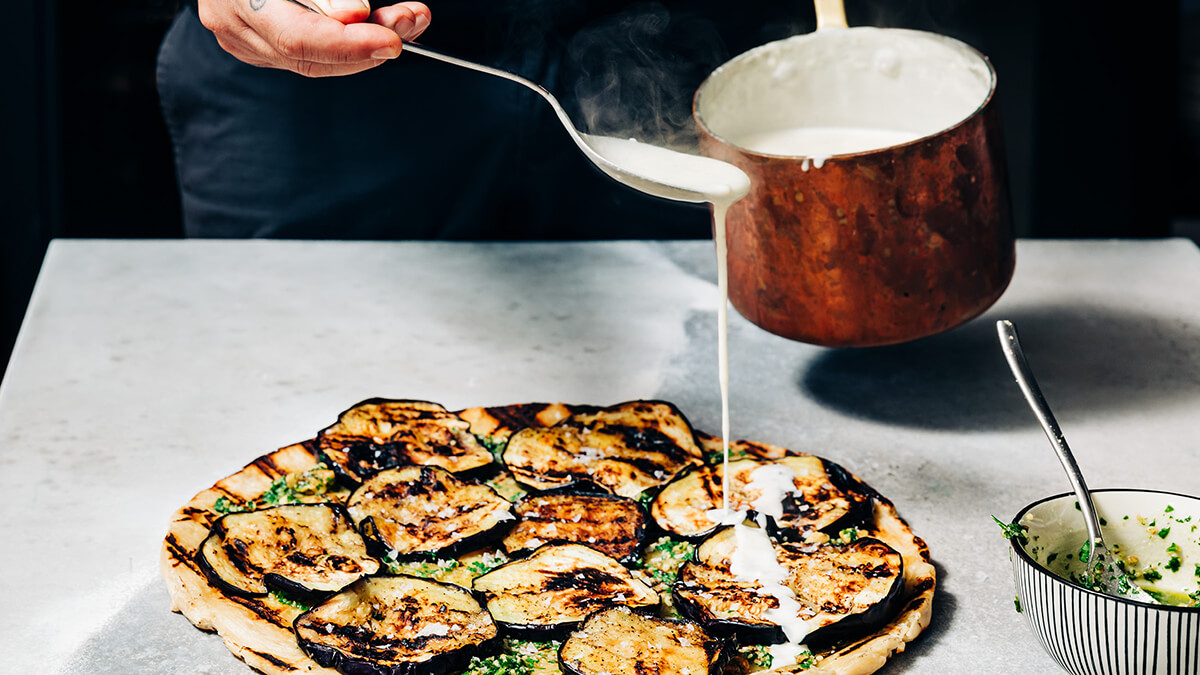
(208, 18)
(292, 44)
(218, 24)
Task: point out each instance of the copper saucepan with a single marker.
(870, 247)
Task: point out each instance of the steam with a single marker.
(634, 74)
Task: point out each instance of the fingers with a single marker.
(407, 19)
(301, 35)
(282, 34)
(345, 11)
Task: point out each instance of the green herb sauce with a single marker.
(293, 488)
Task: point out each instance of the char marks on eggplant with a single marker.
(843, 590)
(305, 549)
(549, 593)
(397, 625)
(618, 641)
(825, 499)
(608, 523)
(419, 510)
(625, 449)
(380, 434)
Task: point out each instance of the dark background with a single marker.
(1100, 104)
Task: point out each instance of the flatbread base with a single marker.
(258, 630)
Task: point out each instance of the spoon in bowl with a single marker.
(649, 168)
(1103, 570)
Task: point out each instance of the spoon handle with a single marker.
(471, 65)
(428, 52)
(830, 14)
(479, 67)
(1011, 345)
(431, 53)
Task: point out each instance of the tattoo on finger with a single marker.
(257, 4)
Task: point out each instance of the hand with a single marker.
(282, 34)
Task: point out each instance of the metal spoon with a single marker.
(677, 181)
(1104, 573)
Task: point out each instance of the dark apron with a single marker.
(413, 149)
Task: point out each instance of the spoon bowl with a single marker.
(1104, 571)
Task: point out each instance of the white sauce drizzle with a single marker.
(433, 629)
(753, 558)
(773, 483)
(719, 210)
(722, 184)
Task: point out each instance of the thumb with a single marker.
(346, 11)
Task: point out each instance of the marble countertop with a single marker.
(147, 370)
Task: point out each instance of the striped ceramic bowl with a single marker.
(1089, 633)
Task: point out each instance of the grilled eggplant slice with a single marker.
(626, 449)
(610, 524)
(843, 590)
(305, 549)
(650, 423)
(618, 641)
(549, 593)
(826, 499)
(421, 510)
(380, 434)
(397, 625)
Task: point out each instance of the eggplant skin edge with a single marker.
(859, 514)
(559, 629)
(848, 627)
(643, 527)
(725, 646)
(378, 546)
(328, 657)
(438, 664)
(677, 453)
(742, 631)
(215, 579)
(341, 458)
(272, 581)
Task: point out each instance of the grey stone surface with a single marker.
(145, 371)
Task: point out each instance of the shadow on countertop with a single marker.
(144, 637)
(945, 606)
(1089, 361)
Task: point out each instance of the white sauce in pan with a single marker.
(817, 144)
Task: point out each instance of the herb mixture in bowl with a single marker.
(1154, 536)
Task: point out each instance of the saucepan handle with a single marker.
(830, 14)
